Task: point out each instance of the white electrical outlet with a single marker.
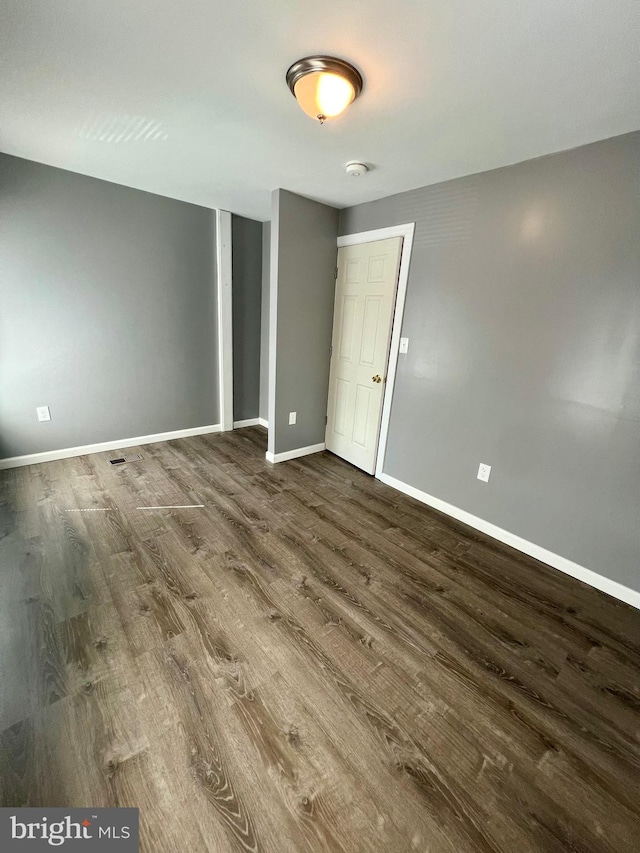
(292, 418)
(43, 413)
(484, 472)
(404, 345)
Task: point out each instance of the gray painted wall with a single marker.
(107, 311)
(523, 318)
(246, 259)
(264, 335)
(303, 260)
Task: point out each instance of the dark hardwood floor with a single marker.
(311, 662)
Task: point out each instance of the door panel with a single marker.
(370, 330)
(361, 415)
(348, 327)
(342, 405)
(353, 270)
(364, 305)
(377, 266)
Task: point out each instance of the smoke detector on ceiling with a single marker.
(356, 170)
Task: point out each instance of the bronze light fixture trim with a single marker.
(324, 86)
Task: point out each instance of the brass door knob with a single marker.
(376, 378)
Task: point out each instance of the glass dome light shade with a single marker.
(321, 93)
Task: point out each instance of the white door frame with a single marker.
(405, 231)
(225, 319)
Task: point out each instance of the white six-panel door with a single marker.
(363, 317)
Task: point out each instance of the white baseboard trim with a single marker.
(68, 452)
(294, 454)
(251, 422)
(588, 576)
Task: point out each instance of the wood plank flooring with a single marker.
(311, 662)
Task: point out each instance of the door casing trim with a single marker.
(224, 284)
(405, 231)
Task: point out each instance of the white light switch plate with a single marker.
(404, 345)
(43, 413)
(484, 471)
(292, 418)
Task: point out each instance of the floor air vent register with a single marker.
(122, 459)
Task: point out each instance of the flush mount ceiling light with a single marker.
(323, 85)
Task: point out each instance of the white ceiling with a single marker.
(452, 87)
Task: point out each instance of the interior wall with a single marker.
(523, 319)
(246, 259)
(107, 299)
(264, 335)
(303, 261)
